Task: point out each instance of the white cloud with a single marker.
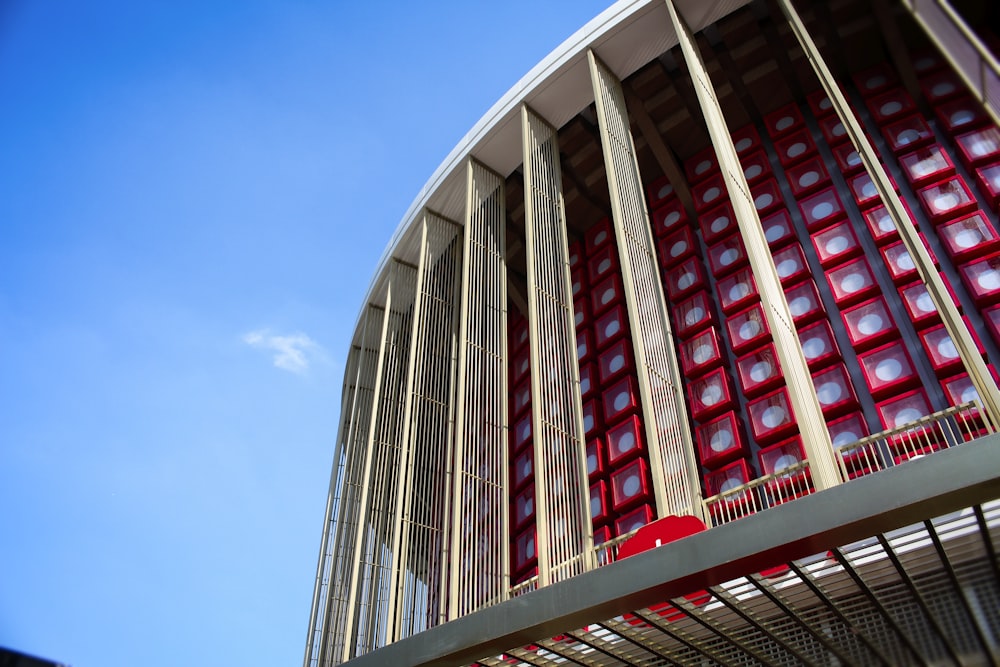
(293, 352)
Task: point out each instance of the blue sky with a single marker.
(193, 196)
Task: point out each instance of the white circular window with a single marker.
(773, 415)
(621, 401)
(749, 329)
(626, 442)
(837, 244)
(728, 256)
(753, 171)
(890, 108)
(814, 347)
(761, 371)
(678, 248)
(612, 327)
(905, 262)
(787, 267)
(607, 296)
(665, 191)
(671, 218)
(989, 279)
(942, 88)
(739, 291)
(888, 369)
(721, 440)
(962, 116)
(694, 315)
(852, 283)
(702, 353)
(703, 166)
(617, 363)
(907, 415)
(822, 210)
(945, 200)
(711, 395)
(711, 194)
(743, 144)
(763, 201)
(784, 123)
(946, 348)
(875, 81)
(720, 224)
(774, 232)
(870, 323)
(784, 462)
(808, 178)
(631, 486)
(925, 303)
(796, 149)
(600, 237)
(686, 280)
(799, 305)
(829, 392)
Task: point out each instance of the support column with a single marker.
(801, 391)
(562, 510)
(978, 372)
(371, 579)
(420, 537)
(480, 551)
(676, 482)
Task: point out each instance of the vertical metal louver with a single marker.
(671, 451)
(563, 525)
(480, 574)
(418, 599)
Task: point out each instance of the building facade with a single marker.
(733, 262)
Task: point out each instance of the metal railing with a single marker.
(779, 487)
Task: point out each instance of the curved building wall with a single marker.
(680, 269)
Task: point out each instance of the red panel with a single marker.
(901, 266)
(781, 456)
(522, 431)
(668, 217)
(718, 222)
(734, 475)
(869, 324)
(759, 371)
(890, 105)
(633, 520)
(709, 192)
(727, 255)
(615, 361)
(852, 282)
(600, 508)
(756, 166)
(522, 396)
(524, 468)
(992, 318)
(941, 351)
(585, 345)
(720, 441)
(804, 303)
(520, 363)
(525, 551)
(771, 417)
(888, 370)
(864, 190)
(919, 305)
(818, 344)
(524, 508)
(684, 279)
(519, 334)
(833, 130)
(907, 133)
(882, 228)
(941, 86)
(790, 264)
(625, 441)
(659, 192)
(766, 196)
(969, 238)
(610, 326)
(794, 147)
(834, 390)
(988, 182)
(747, 329)
(946, 200)
(710, 395)
(807, 176)
(603, 262)
(620, 400)
(778, 228)
(581, 313)
(597, 465)
(836, 244)
(578, 283)
(784, 120)
(693, 314)
(631, 486)
(737, 291)
(820, 103)
(982, 279)
(847, 158)
(821, 209)
(588, 379)
(961, 115)
(700, 353)
(676, 247)
(902, 410)
(874, 80)
(701, 165)
(606, 294)
(979, 147)
(576, 255)
(926, 165)
(591, 417)
(746, 139)
(598, 235)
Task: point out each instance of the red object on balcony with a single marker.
(720, 441)
(961, 115)
(907, 133)
(766, 196)
(737, 291)
(890, 105)
(874, 80)
(888, 370)
(759, 371)
(946, 200)
(668, 217)
(821, 209)
(600, 508)
(807, 176)
(771, 417)
(625, 441)
(524, 468)
(988, 182)
(718, 223)
(606, 294)
(597, 465)
(584, 345)
(709, 192)
(969, 238)
(818, 344)
(615, 361)
(847, 158)
(727, 255)
(982, 279)
(834, 390)
(804, 303)
(756, 166)
(941, 86)
(992, 318)
(784, 120)
(979, 147)
(869, 324)
(836, 244)
(660, 192)
(701, 353)
(941, 351)
(620, 400)
(677, 247)
(747, 329)
(926, 165)
(634, 520)
(746, 139)
(524, 508)
(693, 314)
(598, 235)
(701, 165)
(919, 305)
(710, 395)
(603, 262)
(684, 279)
(631, 486)
(852, 282)
(610, 326)
(778, 228)
(794, 147)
